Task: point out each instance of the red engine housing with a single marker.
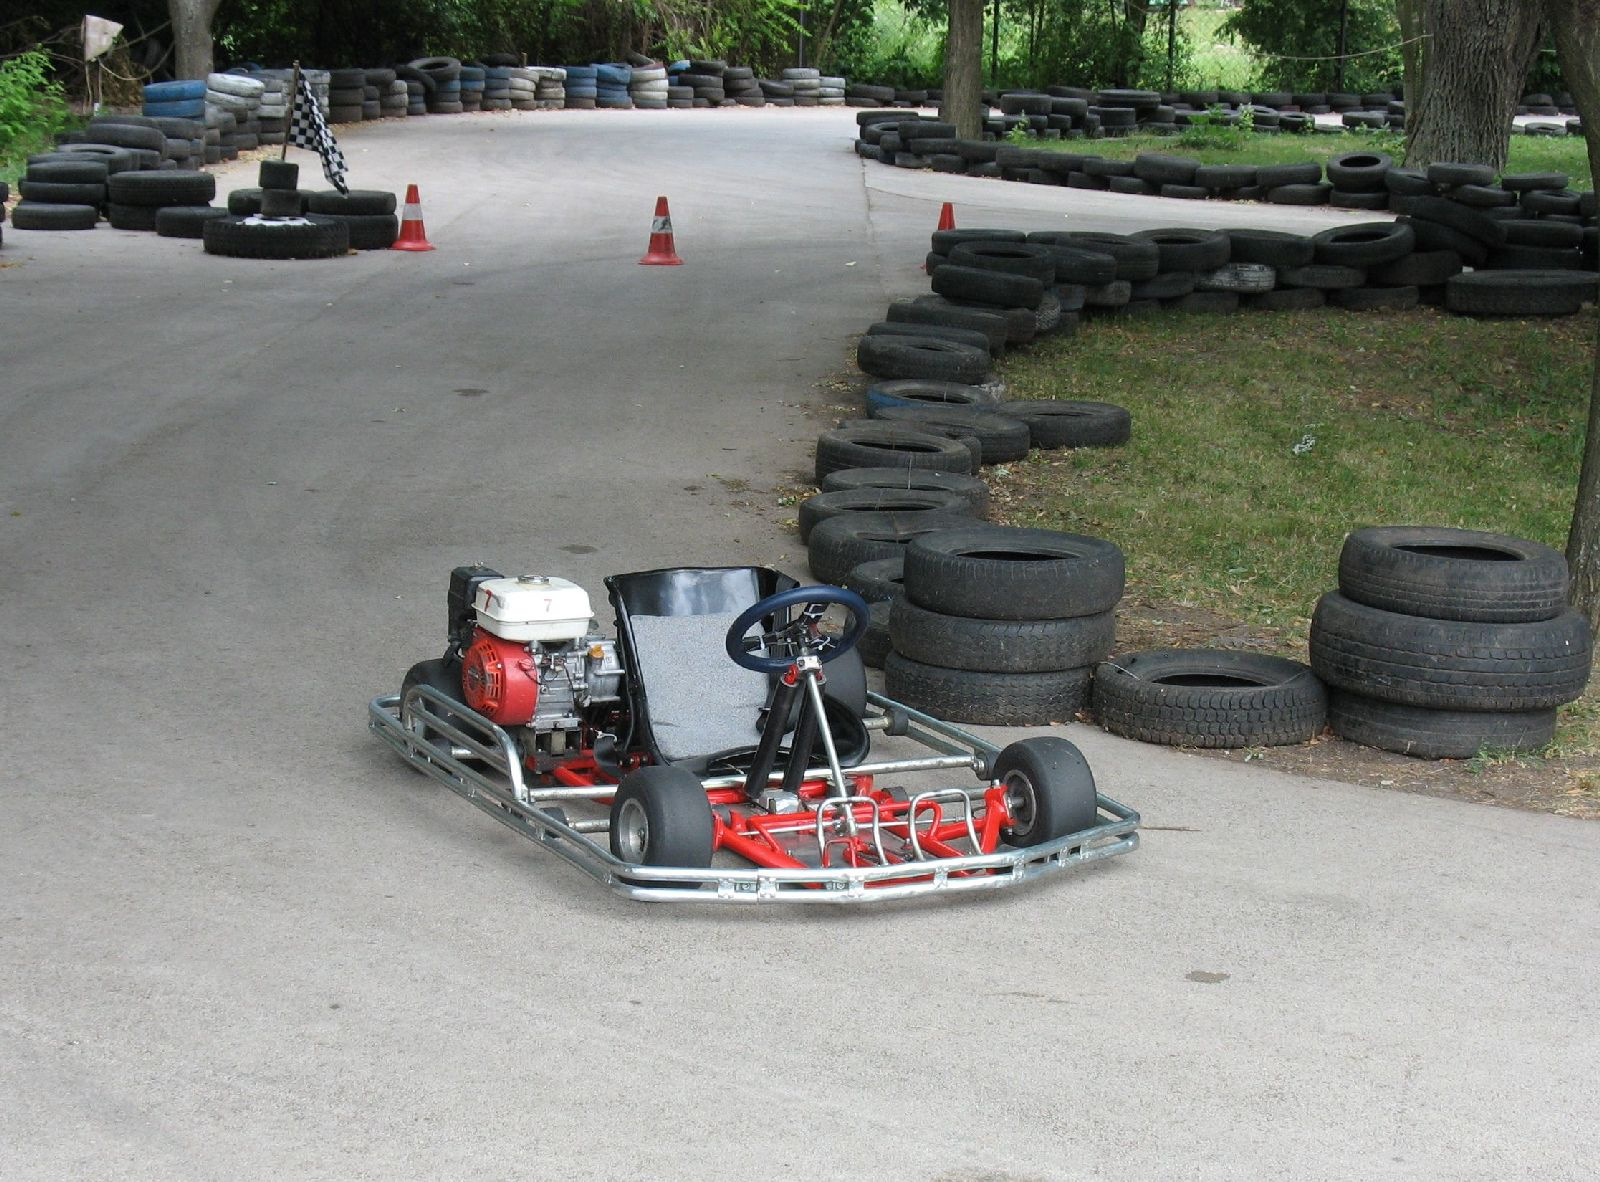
(500, 679)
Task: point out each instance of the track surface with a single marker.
(238, 939)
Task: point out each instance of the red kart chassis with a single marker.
(848, 839)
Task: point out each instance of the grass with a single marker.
(1225, 146)
(1261, 439)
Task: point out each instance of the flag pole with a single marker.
(294, 97)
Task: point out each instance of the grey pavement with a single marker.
(238, 939)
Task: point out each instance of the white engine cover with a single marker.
(533, 608)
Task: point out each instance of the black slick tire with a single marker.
(660, 816)
(1050, 790)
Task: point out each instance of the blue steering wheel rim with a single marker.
(860, 617)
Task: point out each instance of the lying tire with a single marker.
(132, 217)
(1359, 172)
(987, 287)
(877, 445)
(1182, 249)
(1000, 646)
(287, 238)
(817, 509)
(1240, 278)
(1447, 213)
(63, 192)
(1209, 698)
(1275, 248)
(1366, 244)
(1436, 734)
(1519, 293)
(186, 221)
(172, 187)
(921, 357)
(840, 544)
(1322, 276)
(82, 171)
(1450, 174)
(1010, 258)
(1420, 268)
(990, 322)
(986, 699)
(1136, 259)
(1453, 574)
(874, 643)
(371, 231)
(943, 332)
(1021, 324)
(1054, 423)
(32, 215)
(360, 202)
(878, 580)
(994, 572)
(1001, 438)
(920, 392)
(974, 490)
(1448, 664)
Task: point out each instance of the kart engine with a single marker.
(531, 654)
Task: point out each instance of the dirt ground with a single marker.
(1565, 785)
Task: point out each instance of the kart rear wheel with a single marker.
(437, 674)
(661, 817)
(1049, 790)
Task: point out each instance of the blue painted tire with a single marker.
(194, 108)
(166, 92)
(924, 392)
(613, 75)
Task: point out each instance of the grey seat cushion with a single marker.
(700, 702)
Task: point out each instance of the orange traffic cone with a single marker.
(947, 221)
(661, 253)
(412, 234)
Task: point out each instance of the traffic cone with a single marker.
(947, 221)
(412, 234)
(661, 253)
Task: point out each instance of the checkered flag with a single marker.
(309, 130)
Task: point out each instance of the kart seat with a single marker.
(688, 700)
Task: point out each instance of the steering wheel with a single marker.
(798, 634)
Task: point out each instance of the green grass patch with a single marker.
(1226, 146)
(1261, 439)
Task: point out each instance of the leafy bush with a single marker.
(31, 107)
(1284, 33)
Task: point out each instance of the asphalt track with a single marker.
(238, 939)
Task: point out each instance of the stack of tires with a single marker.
(739, 84)
(443, 85)
(184, 99)
(550, 85)
(807, 84)
(497, 88)
(347, 92)
(1442, 642)
(1000, 625)
(62, 191)
(830, 90)
(368, 214)
(240, 96)
(522, 87)
(703, 76)
(865, 94)
(276, 228)
(581, 90)
(134, 199)
(473, 81)
(611, 86)
(777, 92)
(648, 85)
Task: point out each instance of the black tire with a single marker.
(1448, 174)
(922, 357)
(1000, 646)
(1238, 278)
(986, 699)
(1050, 790)
(34, 215)
(1169, 285)
(1209, 698)
(1453, 574)
(944, 241)
(990, 322)
(944, 332)
(1300, 194)
(1448, 664)
(1010, 258)
(921, 392)
(371, 231)
(364, 202)
(63, 192)
(814, 510)
(312, 238)
(661, 816)
(1375, 299)
(878, 580)
(880, 445)
(1543, 232)
(439, 674)
(1366, 244)
(1274, 176)
(186, 221)
(840, 544)
(1136, 259)
(1156, 168)
(1436, 734)
(171, 187)
(1183, 249)
(1272, 247)
(1021, 324)
(987, 287)
(1054, 423)
(278, 174)
(996, 572)
(1076, 262)
(79, 171)
(1516, 293)
(132, 217)
(874, 643)
(972, 488)
(1322, 276)
(1001, 438)
(1454, 216)
(1420, 268)
(1359, 172)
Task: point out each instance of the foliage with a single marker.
(895, 46)
(32, 108)
(1213, 129)
(1280, 31)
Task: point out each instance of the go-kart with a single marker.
(722, 745)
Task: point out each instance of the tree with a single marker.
(1474, 64)
(962, 103)
(1575, 25)
(191, 35)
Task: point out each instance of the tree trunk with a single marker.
(1576, 26)
(962, 103)
(1412, 57)
(191, 35)
(1478, 55)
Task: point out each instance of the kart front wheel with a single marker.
(660, 816)
(1049, 790)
